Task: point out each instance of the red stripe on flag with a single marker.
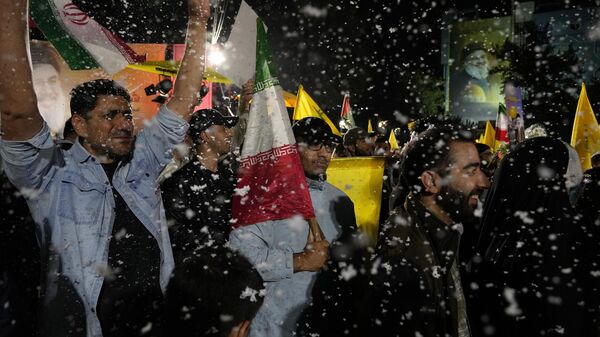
(345, 106)
(502, 135)
(271, 186)
(125, 50)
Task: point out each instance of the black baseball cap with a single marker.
(205, 118)
(355, 134)
(314, 130)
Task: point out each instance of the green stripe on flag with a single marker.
(266, 76)
(45, 17)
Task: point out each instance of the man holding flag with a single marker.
(97, 206)
(274, 200)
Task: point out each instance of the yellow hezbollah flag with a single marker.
(361, 178)
(489, 137)
(393, 142)
(586, 133)
(307, 107)
(170, 68)
(370, 127)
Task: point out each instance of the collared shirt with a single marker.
(270, 247)
(72, 203)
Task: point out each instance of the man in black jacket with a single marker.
(198, 196)
(418, 285)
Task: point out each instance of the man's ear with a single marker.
(79, 125)
(204, 137)
(432, 181)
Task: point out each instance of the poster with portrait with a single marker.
(53, 81)
(474, 92)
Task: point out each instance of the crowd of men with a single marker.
(112, 236)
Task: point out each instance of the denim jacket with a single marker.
(72, 203)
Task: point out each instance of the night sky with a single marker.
(371, 49)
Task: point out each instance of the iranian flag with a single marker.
(271, 183)
(501, 126)
(346, 113)
(82, 42)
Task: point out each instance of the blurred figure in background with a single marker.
(528, 277)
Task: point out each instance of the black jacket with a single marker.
(413, 284)
(198, 206)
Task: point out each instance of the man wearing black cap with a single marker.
(359, 143)
(287, 260)
(198, 196)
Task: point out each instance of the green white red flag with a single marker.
(346, 113)
(81, 41)
(501, 125)
(271, 183)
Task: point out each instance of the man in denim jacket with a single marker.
(89, 201)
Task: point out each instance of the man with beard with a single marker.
(97, 207)
(471, 83)
(418, 285)
(47, 84)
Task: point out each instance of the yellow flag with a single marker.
(307, 107)
(370, 127)
(170, 68)
(290, 99)
(361, 178)
(393, 142)
(489, 137)
(585, 137)
(411, 125)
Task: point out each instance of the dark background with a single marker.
(371, 49)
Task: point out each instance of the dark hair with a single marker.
(440, 121)
(596, 160)
(211, 292)
(429, 151)
(84, 97)
(481, 148)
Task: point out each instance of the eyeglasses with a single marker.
(329, 147)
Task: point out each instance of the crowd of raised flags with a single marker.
(510, 126)
(85, 44)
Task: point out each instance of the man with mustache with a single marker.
(99, 215)
(285, 253)
(418, 283)
(198, 196)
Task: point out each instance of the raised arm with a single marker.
(21, 119)
(189, 77)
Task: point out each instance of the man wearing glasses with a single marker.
(287, 261)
